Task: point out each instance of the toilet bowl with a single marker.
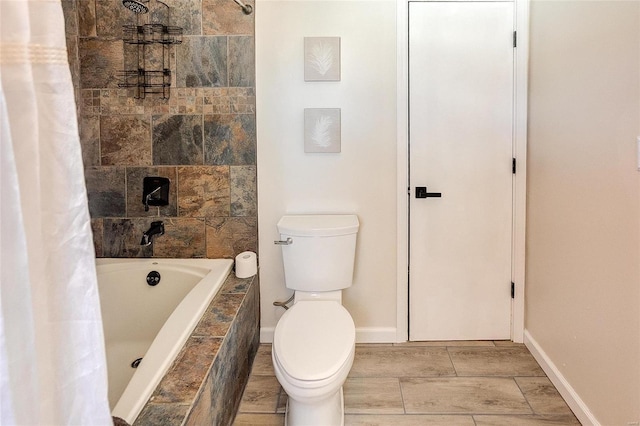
(313, 351)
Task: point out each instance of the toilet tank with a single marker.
(321, 254)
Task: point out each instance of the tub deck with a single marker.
(204, 384)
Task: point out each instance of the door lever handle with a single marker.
(421, 192)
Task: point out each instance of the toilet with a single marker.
(314, 341)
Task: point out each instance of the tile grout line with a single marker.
(473, 419)
(524, 395)
(275, 409)
(452, 363)
(404, 408)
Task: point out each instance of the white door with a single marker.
(460, 110)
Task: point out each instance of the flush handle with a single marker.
(286, 242)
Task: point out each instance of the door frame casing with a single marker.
(521, 56)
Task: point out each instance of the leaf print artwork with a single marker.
(321, 133)
(322, 59)
(322, 130)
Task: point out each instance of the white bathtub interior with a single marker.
(150, 322)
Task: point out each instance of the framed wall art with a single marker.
(322, 130)
(322, 59)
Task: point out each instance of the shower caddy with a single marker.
(147, 49)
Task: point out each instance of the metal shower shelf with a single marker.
(152, 33)
(146, 82)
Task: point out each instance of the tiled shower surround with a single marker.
(203, 138)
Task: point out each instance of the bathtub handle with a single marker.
(286, 242)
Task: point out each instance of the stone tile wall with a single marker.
(203, 138)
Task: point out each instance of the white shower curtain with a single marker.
(52, 361)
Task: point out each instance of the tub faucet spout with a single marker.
(157, 228)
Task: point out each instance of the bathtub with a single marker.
(151, 322)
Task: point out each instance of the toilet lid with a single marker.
(313, 340)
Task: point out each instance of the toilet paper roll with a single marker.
(246, 264)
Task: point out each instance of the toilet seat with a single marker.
(314, 340)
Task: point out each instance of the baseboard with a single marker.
(266, 334)
(376, 335)
(577, 405)
(363, 334)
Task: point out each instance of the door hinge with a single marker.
(515, 39)
(513, 290)
(513, 166)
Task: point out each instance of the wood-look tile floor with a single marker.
(435, 383)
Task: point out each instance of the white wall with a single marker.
(583, 233)
(362, 178)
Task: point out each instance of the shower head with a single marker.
(135, 6)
